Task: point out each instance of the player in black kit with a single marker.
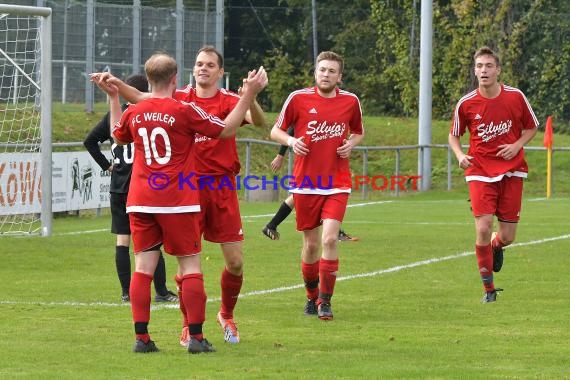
(120, 170)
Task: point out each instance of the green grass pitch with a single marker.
(406, 304)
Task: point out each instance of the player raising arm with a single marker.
(163, 200)
(217, 162)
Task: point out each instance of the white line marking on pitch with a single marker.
(243, 217)
(292, 287)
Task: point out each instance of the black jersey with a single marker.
(122, 159)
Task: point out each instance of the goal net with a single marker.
(25, 120)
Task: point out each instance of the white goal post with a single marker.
(25, 120)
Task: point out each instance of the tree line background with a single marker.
(380, 42)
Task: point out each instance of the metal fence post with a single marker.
(397, 170)
(449, 163)
(365, 172)
(247, 165)
(89, 54)
(136, 36)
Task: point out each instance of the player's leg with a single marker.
(508, 213)
(484, 198)
(270, 230)
(123, 265)
(194, 296)
(308, 221)
(120, 227)
(162, 292)
(145, 264)
(483, 250)
(231, 283)
(147, 239)
(222, 224)
(185, 334)
(310, 265)
(332, 214)
(182, 239)
(203, 216)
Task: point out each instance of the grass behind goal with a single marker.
(406, 303)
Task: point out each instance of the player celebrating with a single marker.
(163, 131)
(500, 122)
(327, 124)
(216, 162)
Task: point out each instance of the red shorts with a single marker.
(311, 209)
(220, 217)
(502, 198)
(178, 233)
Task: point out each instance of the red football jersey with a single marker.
(324, 123)
(163, 131)
(213, 156)
(491, 123)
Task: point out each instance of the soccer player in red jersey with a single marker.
(327, 125)
(286, 208)
(120, 178)
(500, 121)
(163, 198)
(216, 165)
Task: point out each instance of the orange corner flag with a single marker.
(548, 133)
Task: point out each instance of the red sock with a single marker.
(484, 255)
(194, 298)
(311, 278)
(327, 272)
(144, 337)
(497, 243)
(140, 296)
(231, 286)
(178, 280)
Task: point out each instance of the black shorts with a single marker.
(119, 217)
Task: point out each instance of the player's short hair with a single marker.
(331, 56)
(160, 68)
(137, 81)
(212, 49)
(485, 50)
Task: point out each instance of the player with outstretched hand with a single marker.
(217, 162)
(163, 131)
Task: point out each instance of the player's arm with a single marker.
(356, 131)
(114, 104)
(99, 134)
(255, 115)
(278, 160)
(508, 151)
(455, 145)
(283, 138)
(129, 93)
(346, 148)
(255, 82)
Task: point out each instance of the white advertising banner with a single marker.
(77, 183)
